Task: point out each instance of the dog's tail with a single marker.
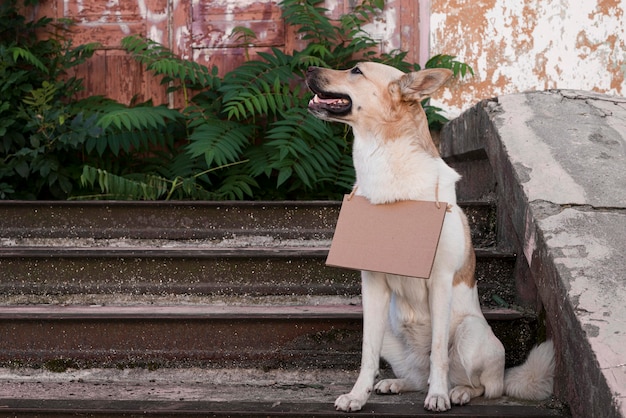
(534, 379)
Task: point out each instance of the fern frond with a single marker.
(235, 186)
(143, 187)
(310, 19)
(162, 61)
(449, 62)
(29, 57)
(144, 117)
(304, 146)
(220, 142)
(263, 99)
(269, 68)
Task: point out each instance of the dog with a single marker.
(431, 331)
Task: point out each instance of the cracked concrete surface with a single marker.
(568, 152)
(558, 160)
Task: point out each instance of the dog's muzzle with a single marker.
(325, 103)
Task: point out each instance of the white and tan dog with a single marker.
(432, 332)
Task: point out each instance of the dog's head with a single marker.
(371, 94)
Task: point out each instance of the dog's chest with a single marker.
(392, 171)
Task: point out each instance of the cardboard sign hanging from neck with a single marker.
(398, 238)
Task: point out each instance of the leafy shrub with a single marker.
(244, 135)
(41, 128)
(249, 134)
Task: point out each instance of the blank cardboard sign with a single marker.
(398, 238)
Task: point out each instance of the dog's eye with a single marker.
(356, 70)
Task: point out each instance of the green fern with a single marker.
(304, 147)
(219, 141)
(143, 187)
(185, 75)
(310, 19)
(138, 118)
(261, 99)
(29, 57)
(247, 134)
(449, 62)
(259, 88)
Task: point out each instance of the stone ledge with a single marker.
(559, 159)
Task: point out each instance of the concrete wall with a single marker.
(558, 160)
(516, 46)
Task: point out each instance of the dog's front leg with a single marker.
(376, 296)
(440, 300)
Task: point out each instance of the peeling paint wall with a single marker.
(512, 45)
(524, 45)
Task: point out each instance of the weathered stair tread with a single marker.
(208, 335)
(172, 220)
(160, 252)
(222, 392)
(199, 271)
(190, 251)
(112, 408)
(183, 219)
(349, 311)
(180, 311)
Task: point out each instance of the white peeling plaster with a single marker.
(230, 4)
(554, 54)
(181, 35)
(383, 29)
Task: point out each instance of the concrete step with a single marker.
(198, 392)
(58, 274)
(275, 336)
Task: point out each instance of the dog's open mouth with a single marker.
(337, 104)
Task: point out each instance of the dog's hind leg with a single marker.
(476, 362)
(376, 295)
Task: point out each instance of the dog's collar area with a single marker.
(437, 202)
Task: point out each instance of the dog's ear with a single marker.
(418, 85)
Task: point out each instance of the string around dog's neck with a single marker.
(449, 206)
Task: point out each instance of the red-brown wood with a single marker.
(198, 30)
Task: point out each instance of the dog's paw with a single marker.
(460, 395)
(349, 403)
(438, 402)
(389, 386)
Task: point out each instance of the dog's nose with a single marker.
(310, 70)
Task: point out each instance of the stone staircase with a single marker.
(205, 309)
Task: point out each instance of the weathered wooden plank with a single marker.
(123, 77)
(218, 32)
(409, 29)
(92, 73)
(109, 35)
(237, 10)
(198, 30)
(226, 59)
